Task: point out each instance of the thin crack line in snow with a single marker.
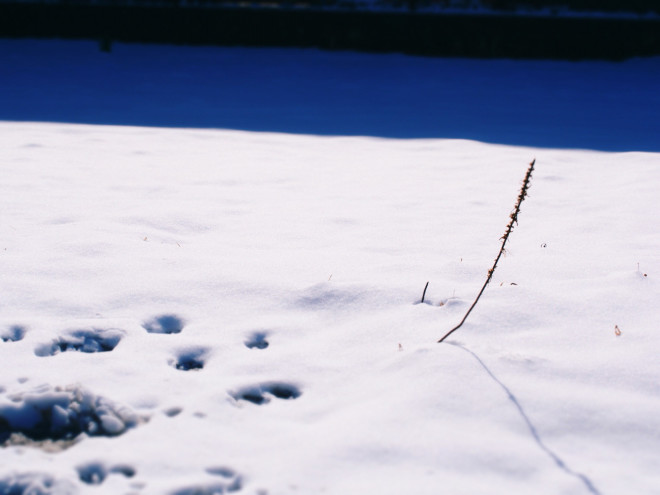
(532, 429)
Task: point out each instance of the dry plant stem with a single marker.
(424, 293)
(513, 219)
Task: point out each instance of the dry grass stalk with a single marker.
(513, 220)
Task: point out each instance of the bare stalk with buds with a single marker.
(513, 220)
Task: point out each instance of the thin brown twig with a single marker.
(513, 220)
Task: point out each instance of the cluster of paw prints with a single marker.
(194, 359)
(95, 473)
(66, 415)
(227, 480)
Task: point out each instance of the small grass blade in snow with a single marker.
(513, 219)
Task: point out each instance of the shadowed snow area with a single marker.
(596, 105)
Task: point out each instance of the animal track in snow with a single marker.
(13, 334)
(261, 394)
(164, 324)
(124, 469)
(212, 489)
(257, 341)
(93, 340)
(173, 411)
(232, 482)
(190, 359)
(35, 484)
(95, 473)
(53, 418)
(223, 471)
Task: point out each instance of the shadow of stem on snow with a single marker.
(532, 429)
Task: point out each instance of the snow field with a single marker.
(186, 245)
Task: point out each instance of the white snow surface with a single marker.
(145, 269)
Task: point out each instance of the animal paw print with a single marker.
(257, 341)
(95, 473)
(13, 334)
(230, 482)
(264, 392)
(54, 418)
(89, 341)
(164, 324)
(190, 358)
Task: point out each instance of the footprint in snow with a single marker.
(231, 482)
(262, 393)
(190, 359)
(95, 473)
(89, 341)
(13, 334)
(257, 341)
(173, 411)
(164, 324)
(53, 418)
(222, 471)
(35, 484)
